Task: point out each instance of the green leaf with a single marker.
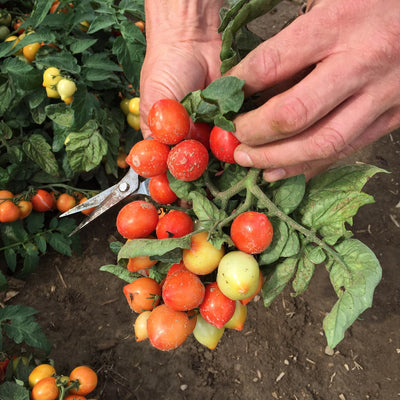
(289, 193)
(120, 272)
(86, 148)
(183, 189)
(39, 151)
(18, 324)
(83, 105)
(333, 198)
(13, 391)
(79, 46)
(11, 258)
(276, 279)
(31, 259)
(153, 247)
(41, 243)
(13, 233)
(304, 273)
(63, 60)
(23, 75)
(206, 211)
(354, 281)
(60, 113)
(116, 246)
(3, 282)
(292, 246)
(35, 222)
(101, 22)
(40, 10)
(279, 240)
(59, 243)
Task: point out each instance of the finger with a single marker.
(385, 124)
(324, 140)
(323, 89)
(293, 49)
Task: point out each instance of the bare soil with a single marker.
(280, 354)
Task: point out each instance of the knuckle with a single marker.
(264, 64)
(328, 143)
(290, 117)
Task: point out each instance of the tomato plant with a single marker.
(143, 294)
(148, 158)
(168, 121)
(174, 224)
(137, 219)
(187, 160)
(251, 232)
(167, 328)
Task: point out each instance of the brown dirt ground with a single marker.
(280, 354)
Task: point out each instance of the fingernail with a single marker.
(243, 159)
(274, 174)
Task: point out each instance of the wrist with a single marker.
(184, 20)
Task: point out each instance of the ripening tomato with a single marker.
(143, 294)
(183, 291)
(86, 378)
(45, 389)
(9, 211)
(176, 267)
(148, 158)
(133, 105)
(216, 308)
(238, 275)
(6, 195)
(200, 131)
(251, 232)
(140, 25)
(65, 202)
(238, 318)
(187, 160)
(167, 328)
(18, 22)
(223, 144)
(258, 289)
(174, 224)
(202, 258)
(140, 262)
(137, 219)
(121, 159)
(192, 315)
(207, 334)
(160, 190)
(133, 121)
(75, 397)
(124, 105)
(168, 120)
(25, 208)
(140, 326)
(42, 201)
(88, 211)
(30, 51)
(40, 372)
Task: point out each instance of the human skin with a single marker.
(330, 79)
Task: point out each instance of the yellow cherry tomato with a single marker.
(66, 88)
(134, 105)
(51, 76)
(40, 372)
(52, 93)
(30, 50)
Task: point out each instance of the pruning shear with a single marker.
(130, 184)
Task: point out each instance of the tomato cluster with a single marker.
(19, 206)
(47, 385)
(209, 289)
(57, 86)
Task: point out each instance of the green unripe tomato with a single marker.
(238, 274)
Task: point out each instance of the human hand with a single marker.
(183, 47)
(350, 98)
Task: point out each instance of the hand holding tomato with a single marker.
(183, 47)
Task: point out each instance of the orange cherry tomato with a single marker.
(86, 377)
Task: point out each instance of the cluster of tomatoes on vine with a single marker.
(19, 206)
(209, 289)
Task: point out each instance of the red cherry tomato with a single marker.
(9, 212)
(216, 308)
(183, 290)
(174, 224)
(143, 294)
(188, 160)
(42, 201)
(137, 219)
(251, 232)
(200, 131)
(160, 191)
(169, 122)
(176, 267)
(223, 144)
(148, 158)
(167, 328)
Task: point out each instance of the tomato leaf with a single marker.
(60, 243)
(354, 280)
(31, 259)
(40, 10)
(183, 189)
(276, 279)
(333, 198)
(60, 114)
(19, 324)
(292, 246)
(279, 240)
(120, 272)
(151, 247)
(289, 193)
(13, 391)
(39, 151)
(86, 148)
(304, 273)
(3, 281)
(63, 60)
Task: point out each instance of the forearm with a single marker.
(183, 19)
